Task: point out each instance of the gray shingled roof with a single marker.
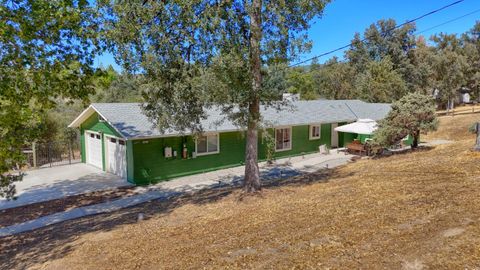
(129, 120)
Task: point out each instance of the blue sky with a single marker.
(342, 18)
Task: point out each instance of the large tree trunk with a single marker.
(416, 136)
(252, 173)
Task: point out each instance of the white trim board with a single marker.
(209, 153)
(89, 111)
(291, 142)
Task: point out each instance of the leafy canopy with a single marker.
(391, 63)
(195, 54)
(411, 115)
(46, 52)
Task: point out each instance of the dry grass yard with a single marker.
(28, 212)
(417, 210)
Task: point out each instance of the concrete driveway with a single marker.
(52, 183)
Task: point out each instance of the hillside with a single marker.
(411, 211)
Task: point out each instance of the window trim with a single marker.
(319, 132)
(89, 133)
(208, 153)
(291, 143)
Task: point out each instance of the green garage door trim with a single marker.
(94, 124)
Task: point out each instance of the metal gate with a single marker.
(49, 154)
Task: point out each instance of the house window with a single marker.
(207, 144)
(314, 132)
(283, 139)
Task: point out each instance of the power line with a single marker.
(441, 24)
(388, 30)
(449, 21)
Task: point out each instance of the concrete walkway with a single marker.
(283, 168)
(47, 184)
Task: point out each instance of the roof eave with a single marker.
(82, 117)
(89, 112)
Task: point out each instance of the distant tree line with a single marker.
(108, 86)
(392, 63)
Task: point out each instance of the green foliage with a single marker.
(471, 50)
(380, 82)
(336, 80)
(378, 70)
(473, 128)
(301, 82)
(411, 115)
(47, 49)
(422, 58)
(122, 88)
(449, 65)
(390, 64)
(269, 142)
(7, 184)
(184, 46)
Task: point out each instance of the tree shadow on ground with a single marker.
(63, 187)
(53, 242)
(404, 152)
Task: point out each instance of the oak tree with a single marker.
(47, 49)
(411, 115)
(183, 46)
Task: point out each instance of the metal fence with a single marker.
(50, 154)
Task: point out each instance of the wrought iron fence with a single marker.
(50, 154)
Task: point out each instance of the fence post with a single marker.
(49, 153)
(34, 152)
(69, 152)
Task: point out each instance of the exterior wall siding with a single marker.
(147, 164)
(409, 140)
(348, 137)
(93, 123)
(130, 164)
(151, 166)
(301, 143)
(363, 137)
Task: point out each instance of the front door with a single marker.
(334, 142)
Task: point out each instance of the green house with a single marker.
(118, 137)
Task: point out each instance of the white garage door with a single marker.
(94, 149)
(116, 156)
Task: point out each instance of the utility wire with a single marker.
(449, 21)
(441, 24)
(388, 30)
